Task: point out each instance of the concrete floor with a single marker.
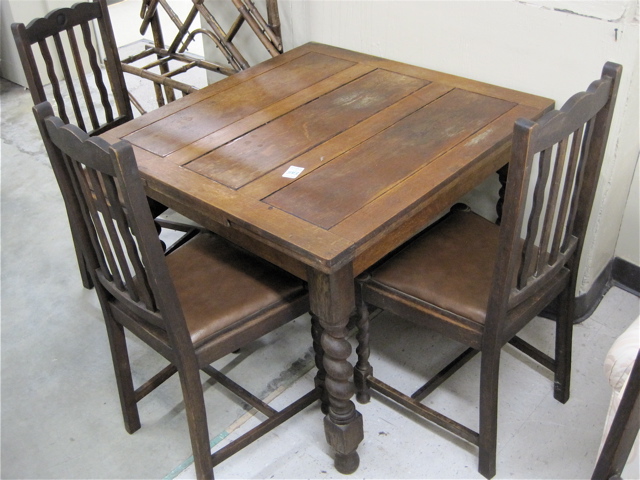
(60, 411)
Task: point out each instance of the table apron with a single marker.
(413, 222)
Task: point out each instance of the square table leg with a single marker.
(332, 301)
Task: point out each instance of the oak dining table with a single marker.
(322, 161)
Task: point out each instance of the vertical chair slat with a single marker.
(53, 78)
(100, 225)
(97, 73)
(552, 201)
(139, 283)
(584, 153)
(82, 78)
(561, 224)
(529, 253)
(68, 79)
(103, 204)
(97, 225)
(112, 64)
(78, 190)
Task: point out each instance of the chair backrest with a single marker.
(553, 175)
(68, 46)
(102, 189)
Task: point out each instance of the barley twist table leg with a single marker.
(332, 300)
(363, 368)
(316, 334)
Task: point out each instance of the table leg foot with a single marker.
(345, 440)
(347, 464)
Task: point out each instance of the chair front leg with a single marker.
(564, 340)
(490, 366)
(122, 368)
(196, 419)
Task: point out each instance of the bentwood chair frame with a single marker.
(164, 79)
(134, 281)
(558, 159)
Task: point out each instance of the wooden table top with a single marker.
(384, 147)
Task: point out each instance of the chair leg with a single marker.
(316, 334)
(197, 420)
(122, 369)
(363, 368)
(488, 440)
(564, 340)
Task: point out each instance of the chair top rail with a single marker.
(62, 19)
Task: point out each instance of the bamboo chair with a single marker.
(65, 44)
(202, 301)
(480, 284)
(162, 71)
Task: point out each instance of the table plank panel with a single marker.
(268, 114)
(453, 81)
(260, 151)
(432, 189)
(236, 103)
(211, 90)
(210, 203)
(346, 184)
(345, 141)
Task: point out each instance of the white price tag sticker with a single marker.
(293, 172)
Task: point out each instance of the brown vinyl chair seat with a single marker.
(458, 278)
(250, 285)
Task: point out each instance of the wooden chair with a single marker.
(479, 283)
(64, 45)
(202, 301)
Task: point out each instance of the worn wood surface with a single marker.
(384, 146)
